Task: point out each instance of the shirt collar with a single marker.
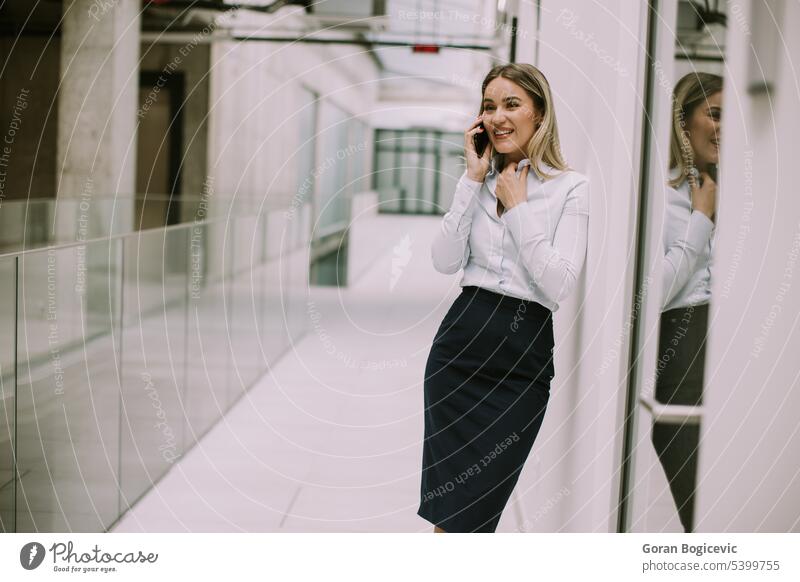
(491, 181)
(495, 158)
(674, 173)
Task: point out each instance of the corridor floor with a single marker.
(330, 439)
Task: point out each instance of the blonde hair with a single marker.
(544, 146)
(691, 90)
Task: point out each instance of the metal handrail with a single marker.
(671, 413)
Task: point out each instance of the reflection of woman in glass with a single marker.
(688, 237)
(518, 228)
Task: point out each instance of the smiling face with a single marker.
(704, 128)
(510, 118)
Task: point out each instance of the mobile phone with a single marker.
(712, 171)
(481, 140)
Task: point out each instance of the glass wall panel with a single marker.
(8, 289)
(416, 170)
(333, 204)
(426, 182)
(294, 289)
(155, 291)
(385, 180)
(117, 355)
(31, 224)
(451, 152)
(411, 140)
(68, 388)
(208, 356)
(277, 306)
(664, 434)
(305, 156)
(361, 171)
(409, 184)
(246, 304)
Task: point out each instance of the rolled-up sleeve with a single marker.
(683, 254)
(450, 248)
(553, 265)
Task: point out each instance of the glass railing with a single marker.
(43, 222)
(118, 352)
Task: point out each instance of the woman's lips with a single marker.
(503, 136)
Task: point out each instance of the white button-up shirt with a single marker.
(688, 242)
(534, 251)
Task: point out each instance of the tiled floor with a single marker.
(330, 440)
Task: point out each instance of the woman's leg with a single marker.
(676, 446)
(680, 381)
(437, 529)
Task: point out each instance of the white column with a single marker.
(527, 31)
(748, 473)
(97, 100)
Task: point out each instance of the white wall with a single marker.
(750, 438)
(254, 95)
(452, 116)
(255, 116)
(597, 81)
(434, 94)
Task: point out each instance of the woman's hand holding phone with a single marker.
(477, 163)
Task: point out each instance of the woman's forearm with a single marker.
(683, 254)
(450, 248)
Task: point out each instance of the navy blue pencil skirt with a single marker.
(487, 383)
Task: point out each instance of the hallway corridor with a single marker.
(328, 441)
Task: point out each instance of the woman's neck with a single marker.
(515, 159)
(703, 165)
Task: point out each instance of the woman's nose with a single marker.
(498, 119)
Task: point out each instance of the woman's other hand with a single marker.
(512, 189)
(704, 196)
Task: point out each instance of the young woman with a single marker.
(688, 238)
(518, 229)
